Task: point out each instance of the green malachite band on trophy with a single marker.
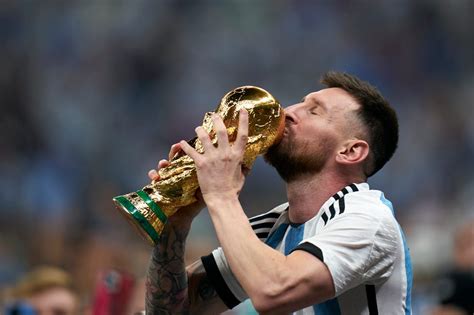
(139, 217)
(153, 206)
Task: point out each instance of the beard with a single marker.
(294, 161)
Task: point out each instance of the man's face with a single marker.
(315, 129)
(54, 301)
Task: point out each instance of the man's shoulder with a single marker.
(370, 202)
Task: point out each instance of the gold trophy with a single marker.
(149, 208)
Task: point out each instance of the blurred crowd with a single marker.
(93, 93)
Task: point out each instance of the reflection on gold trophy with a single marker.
(149, 208)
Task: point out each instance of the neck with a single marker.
(306, 195)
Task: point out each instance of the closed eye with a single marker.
(314, 110)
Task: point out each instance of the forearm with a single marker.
(202, 295)
(174, 289)
(167, 284)
(274, 282)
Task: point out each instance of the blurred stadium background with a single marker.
(93, 93)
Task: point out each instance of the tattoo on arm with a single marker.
(167, 288)
(200, 288)
(206, 290)
(173, 289)
(202, 295)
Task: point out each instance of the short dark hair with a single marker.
(375, 113)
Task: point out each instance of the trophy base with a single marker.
(137, 220)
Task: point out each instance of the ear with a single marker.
(353, 151)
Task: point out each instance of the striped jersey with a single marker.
(356, 235)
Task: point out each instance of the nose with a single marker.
(290, 113)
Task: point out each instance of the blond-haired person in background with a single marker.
(45, 291)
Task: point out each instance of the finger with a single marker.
(221, 131)
(205, 139)
(190, 151)
(153, 175)
(163, 163)
(242, 134)
(175, 148)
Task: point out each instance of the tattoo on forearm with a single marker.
(201, 288)
(171, 289)
(206, 290)
(167, 287)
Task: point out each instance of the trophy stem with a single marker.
(143, 213)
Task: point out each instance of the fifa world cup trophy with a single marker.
(149, 208)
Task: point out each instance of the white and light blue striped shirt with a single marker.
(356, 235)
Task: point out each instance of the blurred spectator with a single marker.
(112, 293)
(44, 291)
(137, 299)
(464, 248)
(457, 286)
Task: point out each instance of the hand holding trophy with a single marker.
(148, 209)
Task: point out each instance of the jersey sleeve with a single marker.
(218, 270)
(356, 247)
(222, 278)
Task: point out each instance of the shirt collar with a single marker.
(344, 191)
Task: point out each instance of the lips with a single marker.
(286, 132)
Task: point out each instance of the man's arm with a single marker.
(171, 288)
(275, 283)
(203, 296)
(174, 289)
(166, 282)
